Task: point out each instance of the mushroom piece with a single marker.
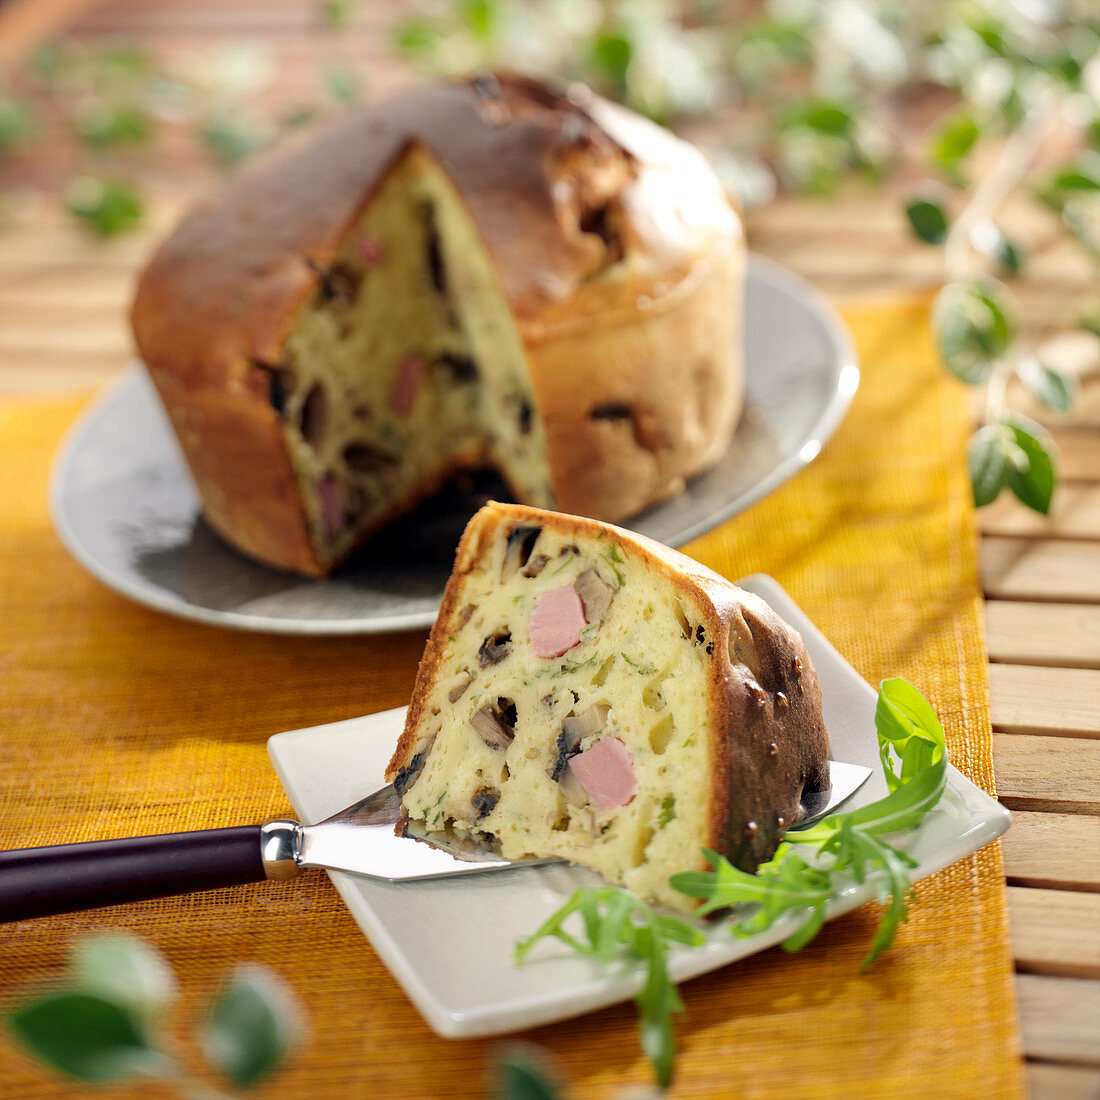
(595, 594)
(495, 648)
(536, 565)
(574, 729)
(410, 773)
(313, 416)
(484, 801)
(459, 689)
(366, 458)
(496, 723)
(521, 541)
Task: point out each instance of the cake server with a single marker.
(40, 882)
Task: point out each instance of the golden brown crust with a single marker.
(770, 745)
(617, 251)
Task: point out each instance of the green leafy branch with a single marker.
(101, 1025)
(809, 868)
(976, 329)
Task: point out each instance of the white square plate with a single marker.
(449, 942)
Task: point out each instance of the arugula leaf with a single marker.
(616, 921)
(798, 881)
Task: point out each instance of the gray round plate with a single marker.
(124, 504)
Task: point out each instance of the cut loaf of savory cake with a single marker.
(589, 694)
(469, 275)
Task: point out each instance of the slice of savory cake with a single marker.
(589, 694)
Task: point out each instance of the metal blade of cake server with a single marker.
(361, 839)
(844, 780)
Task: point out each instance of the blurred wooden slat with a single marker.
(1053, 851)
(1048, 569)
(1066, 635)
(1060, 701)
(75, 288)
(64, 374)
(1054, 932)
(1079, 450)
(1075, 514)
(1060, 1018)
(1053, 1082)
(1052, 774)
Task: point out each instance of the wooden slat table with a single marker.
(1041, 576)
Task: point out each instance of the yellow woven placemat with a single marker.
(117, 720)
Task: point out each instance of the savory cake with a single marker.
(484, 274)
(589, 694)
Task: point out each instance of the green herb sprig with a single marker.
(806, 871)
(616, 922)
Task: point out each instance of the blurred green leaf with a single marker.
(124, 969)
(952, 142)
(106, 207)
(295, 117)
(987, 460)
(18, 123)
(122, 62)
(611, 53)
(480, 17)
(985, 24)
(927, 219)
(252, 1026)
(764, 47)
(820, 115)
(1054, 388)
(1090, 320)
(987, 238)
(973, 326)
(1082, 218)
(230, 136)
(87, 1037)
(50, 60)
(1032, 480)
(343, 83)
(338, 15)
(1071, 181)
(415, 37)
(521, 1073)
(104, 125)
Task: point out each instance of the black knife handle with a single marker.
(38, 882)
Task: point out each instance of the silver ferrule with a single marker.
(279, 844)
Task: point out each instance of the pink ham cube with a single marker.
(606, 772)
(371, 251)
(557, 622)
(406, 383)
